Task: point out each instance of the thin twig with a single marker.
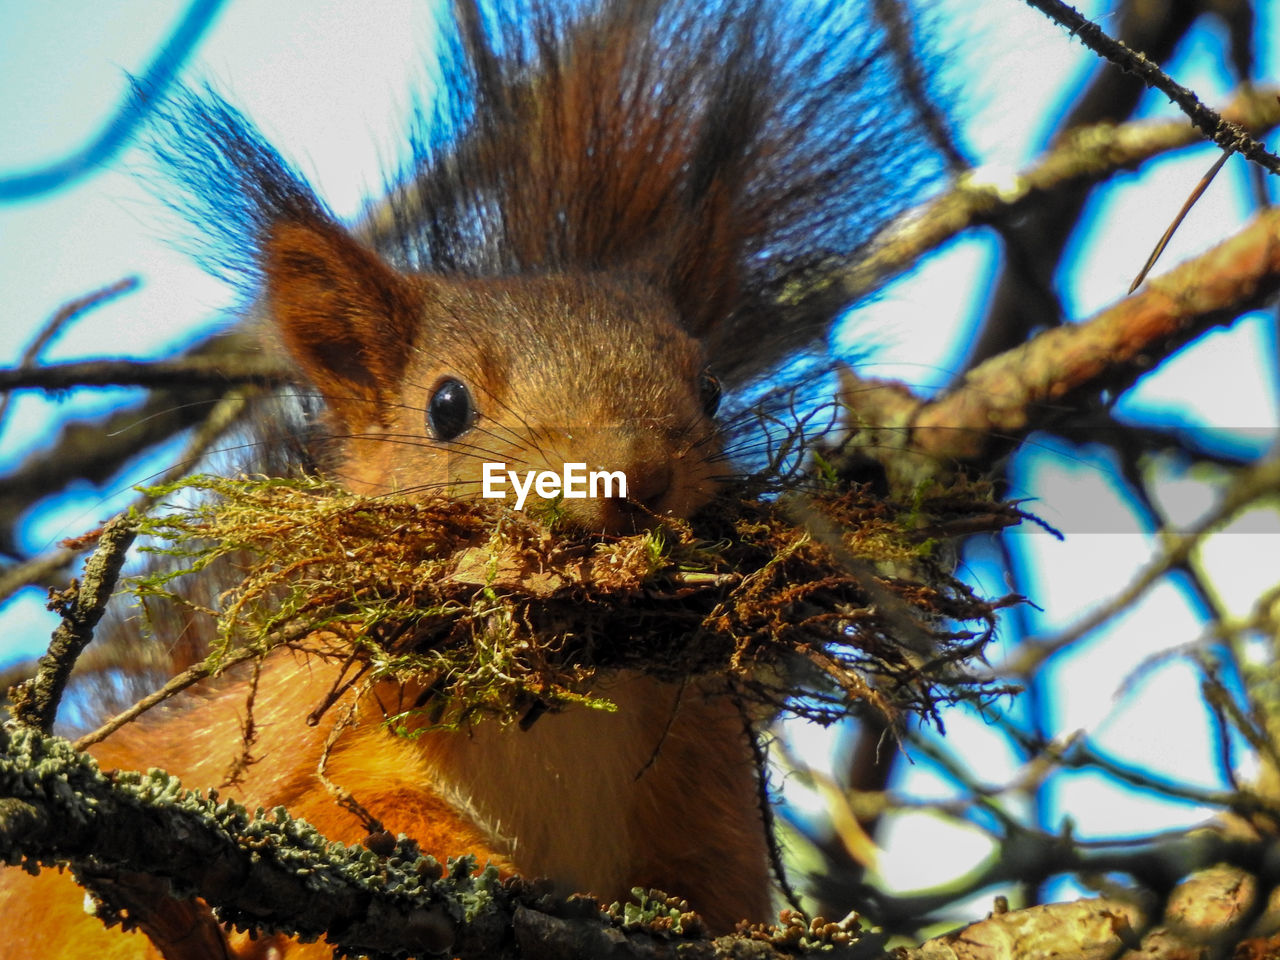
(35, 702)
(40, 569)
(182, 372)
(777, 862)
(176, 685)
(1163, 242)
(1212, 124)
(1031, 386)
(1246, 487)
(895, 17)
(61, 317)
(115, 133)
(1088, 155)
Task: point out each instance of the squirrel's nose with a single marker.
(647, 484)
(645, 460)
(647, 488)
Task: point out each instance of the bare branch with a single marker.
(115, 132)
(1206, 911)
(42, 569)
(1230, 136)
(184, 372)
(1025, 388)
(36, 702)
(61, 317)
(1245, 488)
(1088, 155)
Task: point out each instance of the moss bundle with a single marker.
(812, 603)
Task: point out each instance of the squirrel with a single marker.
(623, 210)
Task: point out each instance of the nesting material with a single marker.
(817, 603)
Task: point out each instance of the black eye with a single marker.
(450, 411)
(709, 393)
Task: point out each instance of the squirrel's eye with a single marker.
(450, 411)
(709, 393)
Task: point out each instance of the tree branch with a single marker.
(35, 702)
(1205, 912)
(184, 372)
(1002, 400)
(1088, 155)
(271, 872)
(1223, 132)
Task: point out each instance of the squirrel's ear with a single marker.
(345, 316)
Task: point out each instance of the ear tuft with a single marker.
(345, 316)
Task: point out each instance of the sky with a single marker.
(331, 90)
